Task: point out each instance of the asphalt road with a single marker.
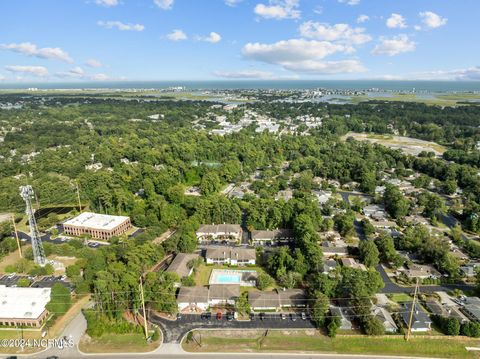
(232, 356)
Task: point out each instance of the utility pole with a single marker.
(78, 197)
(16, 236)
(411, 312)
(143, 308)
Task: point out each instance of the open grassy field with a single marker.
(313, 341)
(117, 343)
(437, 100)
(400, 297)
(411, 146)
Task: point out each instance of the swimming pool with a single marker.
(228, 278)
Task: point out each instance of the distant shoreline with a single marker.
(380, 85)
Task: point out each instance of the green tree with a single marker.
(320, 309)
(60, 300)
(369, 253)
(395, 203)
(333, 325)
(264, 281)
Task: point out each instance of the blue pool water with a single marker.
(228, 278)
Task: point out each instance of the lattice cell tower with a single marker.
(38, 253)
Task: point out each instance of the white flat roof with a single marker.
(23, 303)
(96, 221)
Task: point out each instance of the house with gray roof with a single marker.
(420, 319)
(181, 264)
(345, 322)
(223, 232)
(230, 255)
(263, 237)
(385, 318)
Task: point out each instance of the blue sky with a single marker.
(98, 40)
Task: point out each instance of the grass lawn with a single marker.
(17, 334)
(400, 297)
(313, 341)
(11, 258)
(117, 343)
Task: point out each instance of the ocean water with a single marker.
(418, 86)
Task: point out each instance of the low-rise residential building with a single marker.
(192, 298)
(437, 308)
(352, 263)
(330, 249)
(230, 255)
(264, 237)
(375, 211)
(98, 226)
(385, 318)
(421, 271)
(329, 265)
(23, 306)
(470, 269)
(223, 294)
(322, 196)
(181, 264)
(224, 232)
(277, 299)
(420, 320)
(472, 308)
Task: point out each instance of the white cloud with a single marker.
(213, 37)
(303, 55)
(394, 46)
(77, 71)
(362, 18)
(396, 21)
(99, 77)
(93, 63)
(432, 20)
(337, 32)
(244, 74)
(279, 9)
(349, 2)
(232, 3)
(164, 4)
(29, 49)
(318, 10)
(121, 26)
(325, 67)
(177, 35)
(2, 77)
(107, 3)
(30, 70)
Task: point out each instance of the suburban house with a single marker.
(230, 255)
(345, 322)
(385, 318)
(472, 308)
(277, 299)
(439, 309)
(470, 269)
(329, 265)
(352, 263)
(222, 294)
(420, 320)
(375, 211)
(180, 264)
(219, 232)
(192, 298)
(322, 196)
(421, 271)
(263, 237)
(330, 249)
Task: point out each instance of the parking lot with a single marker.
(175, 330)
(10, 280)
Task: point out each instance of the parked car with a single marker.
(206, 316)
(262, 316)
(252, 316)
(293, 317)
(283, 316)
(219, 316)
(179, 316)
(304, 316)
(230, 316)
